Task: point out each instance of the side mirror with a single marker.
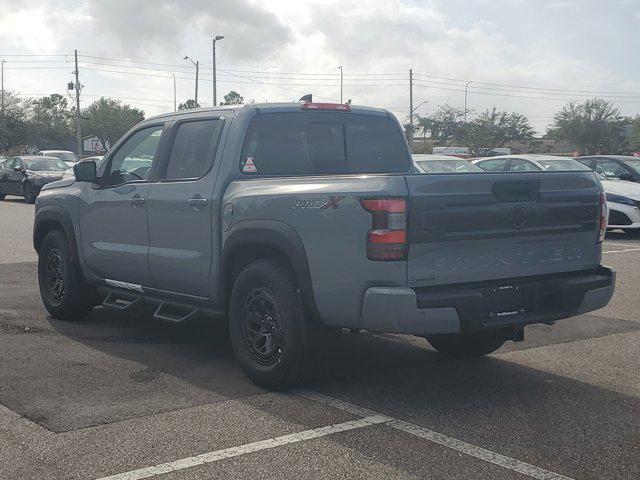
(85, 171)
(18, 169)
(627, 176)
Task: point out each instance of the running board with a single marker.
(174, 313)
(122, 301)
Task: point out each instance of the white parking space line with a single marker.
(625, 250)
(444, 440)
(218, 455)
(622, 244)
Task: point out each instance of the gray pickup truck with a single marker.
(292, 220)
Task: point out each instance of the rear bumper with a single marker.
(467, 308)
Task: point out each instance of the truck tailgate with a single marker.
(488, 226)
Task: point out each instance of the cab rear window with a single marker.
(308, 143)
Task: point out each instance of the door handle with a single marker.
(197, 201)
(136, 200)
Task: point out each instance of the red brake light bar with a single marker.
(343, 107)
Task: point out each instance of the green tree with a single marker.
(13, 124)
(188, 105)
(232, 98)
(634, 140)
(51, 122)
(493, 128)
(593, 126)
(109, 119)
(444, 125)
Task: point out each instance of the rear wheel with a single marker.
(633, 232)
(2, 195)
(29, 192)
(266, 324)
(467, 344)
(64, 292)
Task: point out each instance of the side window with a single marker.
(589, 162)
(519, 165)
(193, 149)
(16, 163)
(8, 164)
(497, 165)
(609, 168)
(133, 160)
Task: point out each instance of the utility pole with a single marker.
(174, 92)
(214, 40)
(340, 67)
(2, 86)
(78, 123)
(197, 65)
(197, 72)
(411, 108)
(466, 88)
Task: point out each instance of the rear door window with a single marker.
(193, 149)
(497, 165)
(519, 165)
(308, 143)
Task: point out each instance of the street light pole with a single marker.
(466, 88)
(174, 92)
(420, 104)
(197, 65)
(411, 109)
(214, 40)
(341, 84)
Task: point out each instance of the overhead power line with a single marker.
(525, 87)
(481, 92)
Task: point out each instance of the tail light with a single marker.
(602, 217)
(387, 239)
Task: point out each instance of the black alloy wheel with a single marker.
(261, 327)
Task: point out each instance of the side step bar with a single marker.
(174, 313)
(166, 311)
(122, 301)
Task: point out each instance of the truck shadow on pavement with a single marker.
(519, 411)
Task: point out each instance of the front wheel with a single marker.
(29, 192)
(266, 324)
(64, 291)
(467, 344)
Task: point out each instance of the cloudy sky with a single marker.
(529, 56)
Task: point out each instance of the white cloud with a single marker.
(553, 44)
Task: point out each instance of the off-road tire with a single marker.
(467, 345)
(266, 315)
(64, 291)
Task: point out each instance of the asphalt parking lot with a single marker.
(119, 395)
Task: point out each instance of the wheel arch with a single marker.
(251, 240)
(50, 218)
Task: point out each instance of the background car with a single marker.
(614, 166)
(528, 163)
(26, 175)
(623, 202)
(623, 198)
(426, 163)
(66, 156)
